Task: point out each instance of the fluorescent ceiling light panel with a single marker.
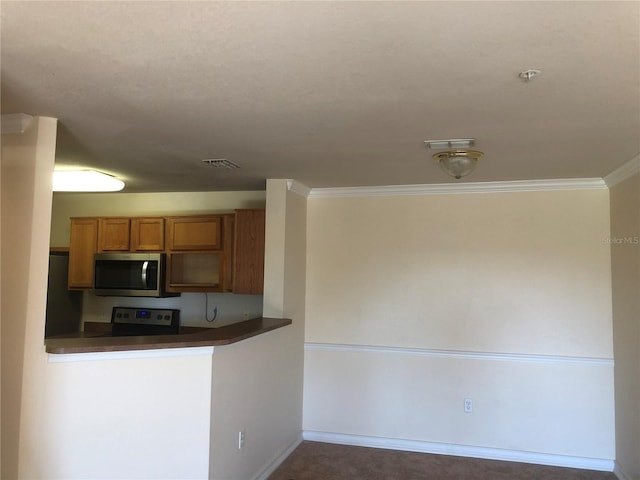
(85, 181)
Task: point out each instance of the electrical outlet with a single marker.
(468, 405)
(240, 439)
(245, 315)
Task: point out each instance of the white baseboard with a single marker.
(620, 473)
(600, 464)
(271, 467)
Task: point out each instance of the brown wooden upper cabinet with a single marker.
(113, 234)
(147, 234)
(194, 233)
(83, 243)
(248, 264)
(205, 253)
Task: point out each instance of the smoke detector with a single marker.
(527, 75)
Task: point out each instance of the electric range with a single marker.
(129, 321)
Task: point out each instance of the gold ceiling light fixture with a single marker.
(459, 161)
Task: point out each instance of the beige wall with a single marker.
(263, 396)
(625, 267)
(521, 272)
(255, 390)
(275, 240)
(27, 165)
(123, 415)
(294, 307)
(417, 302)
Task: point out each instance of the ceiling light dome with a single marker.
(85, 181)
(458, 163)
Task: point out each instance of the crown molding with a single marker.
(14, 122)
(622, 173)
(298, 187)
(457, 188)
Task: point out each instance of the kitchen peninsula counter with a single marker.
(205, 337)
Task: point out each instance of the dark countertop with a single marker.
(205, 337)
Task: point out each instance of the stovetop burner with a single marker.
(128, 321)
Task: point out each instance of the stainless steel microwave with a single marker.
(130, 275)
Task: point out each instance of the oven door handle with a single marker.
(143, 277)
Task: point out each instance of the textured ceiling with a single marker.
(328, 93)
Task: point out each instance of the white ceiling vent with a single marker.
(221, 163)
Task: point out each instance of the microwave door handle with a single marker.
(143, 276)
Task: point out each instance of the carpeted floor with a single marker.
(325, 461)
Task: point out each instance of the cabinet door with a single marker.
(194, 233)
(229, 249)
(113, 234)
(147, 234)
(83, 245)
(248, 276)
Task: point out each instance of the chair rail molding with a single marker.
(471, 355)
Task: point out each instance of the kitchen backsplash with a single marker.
(231, 308)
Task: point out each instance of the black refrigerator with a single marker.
(64, 307)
